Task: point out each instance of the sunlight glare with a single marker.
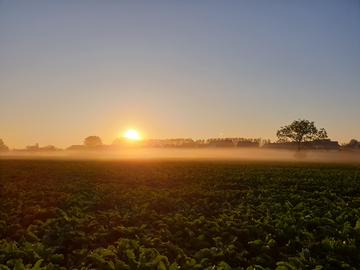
(132, 135)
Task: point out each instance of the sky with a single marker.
(170, 69)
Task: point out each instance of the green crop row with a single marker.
(178, 215)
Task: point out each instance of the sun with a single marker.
(132, 135)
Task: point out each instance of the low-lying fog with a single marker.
(196, 154)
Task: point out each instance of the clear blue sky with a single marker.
(197, 69)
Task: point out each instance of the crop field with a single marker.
(178, 215)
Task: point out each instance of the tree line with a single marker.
(302, 133)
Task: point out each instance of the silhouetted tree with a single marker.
(3, 147)
(300, 131)
(353, 144)
(321, 134)
(92, 141)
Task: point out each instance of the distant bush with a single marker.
(353, 144)
(3, 147)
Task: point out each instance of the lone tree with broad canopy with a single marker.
(301, 131)
(92, 141)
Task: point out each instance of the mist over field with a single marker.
(180, 135)
(195, 154)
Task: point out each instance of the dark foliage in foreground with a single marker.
(178, 215)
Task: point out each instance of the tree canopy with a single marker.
(93, 141)
(301, 131)
(3, 147)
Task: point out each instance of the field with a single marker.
(178, 215)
